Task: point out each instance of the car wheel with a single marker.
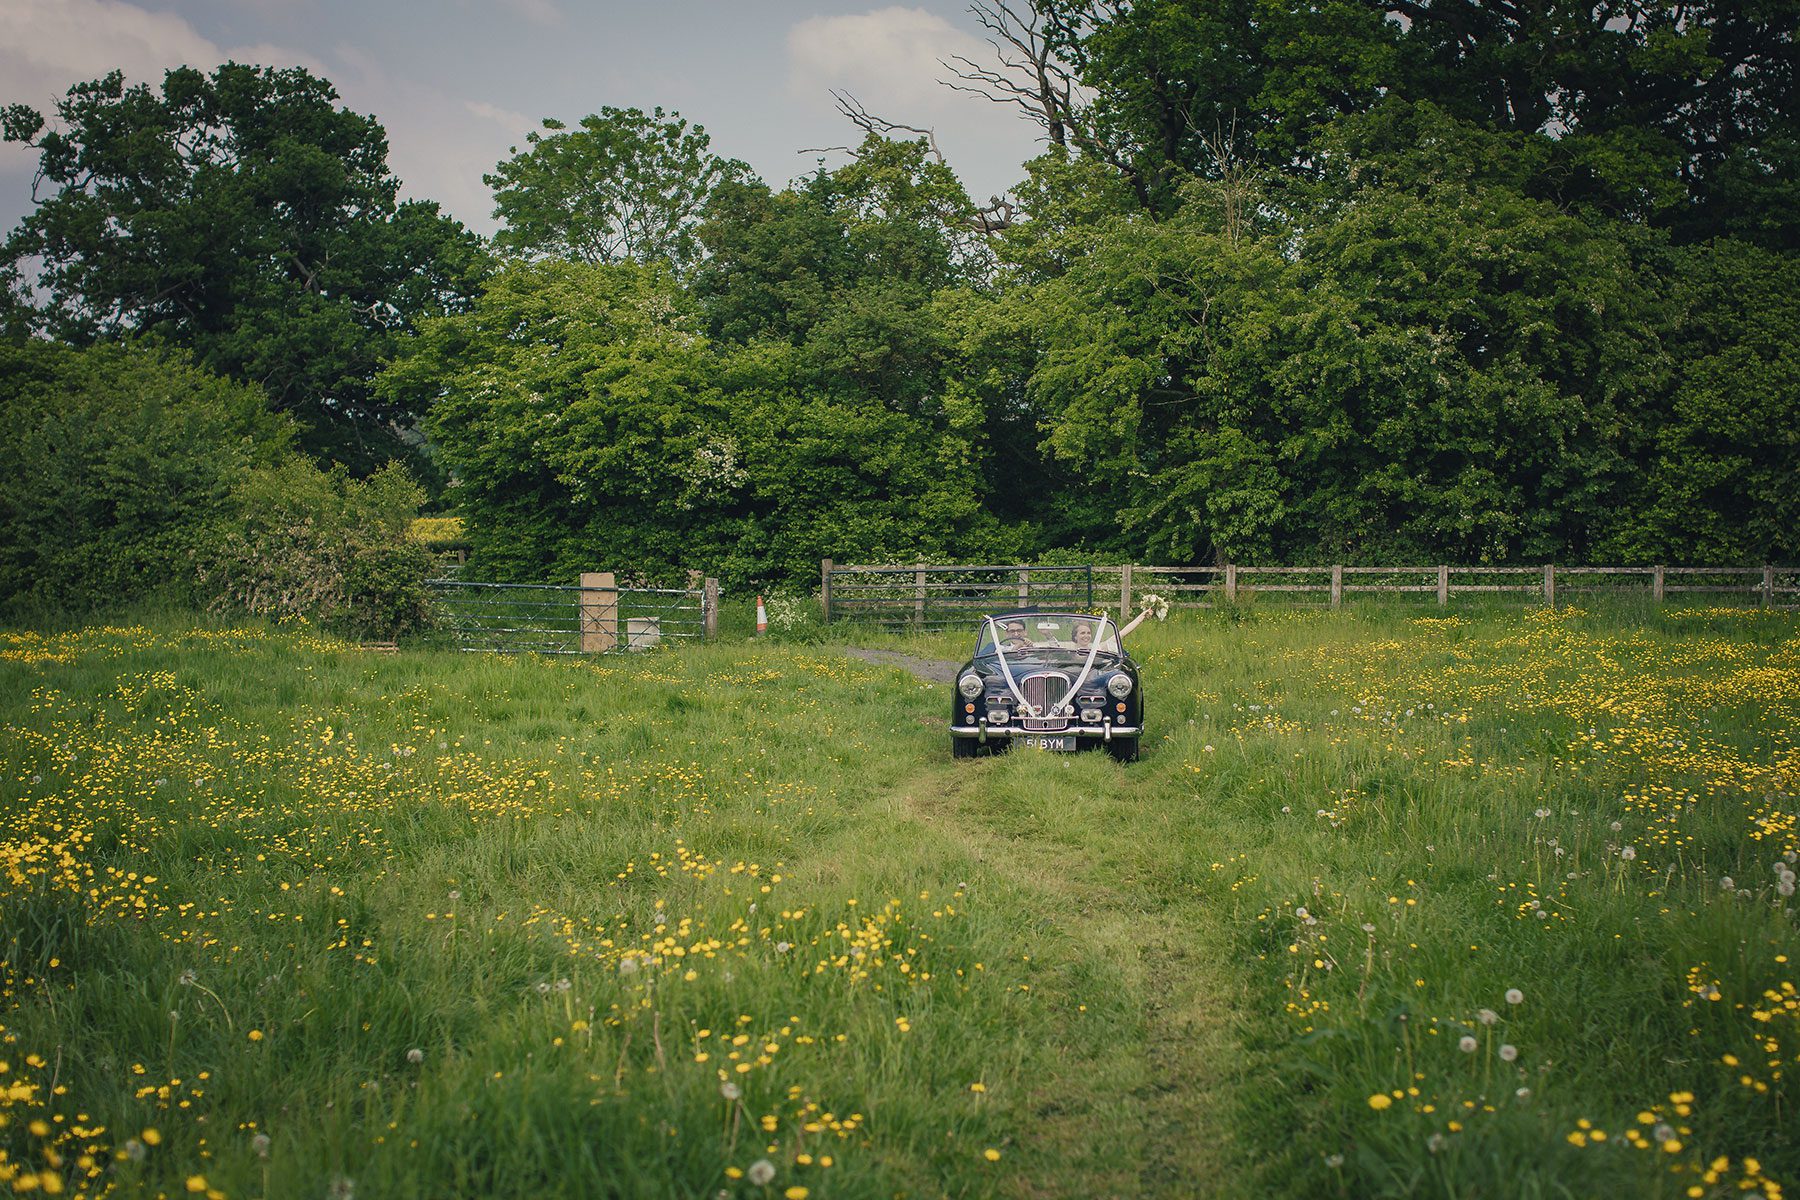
(1123, 749)
(962, 747)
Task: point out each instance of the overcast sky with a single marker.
(458, 82)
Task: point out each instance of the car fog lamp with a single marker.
(969, 686)
(1119, 686)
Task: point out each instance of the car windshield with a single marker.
(1068, 633)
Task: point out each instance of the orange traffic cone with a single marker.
(762, 616)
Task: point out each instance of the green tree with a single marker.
(136, 474)
(119, 462)
(579, 407)
(623, 185)
(245, 217)
(1717, 476)
(787, 402)
(1676, 113)
(1414, 359)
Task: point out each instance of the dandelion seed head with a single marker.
(1467, 1044)
(1514, 996)
(760, 1172)
(1508, 1052)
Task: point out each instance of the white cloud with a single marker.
(48, 45)
(538, 12)
(890, 58)
(516, 124)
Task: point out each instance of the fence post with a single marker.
(1337, 585)
(1024, 589)
(919, 596)
(1125, 592)
(1443, 584)
(1550, 584)
(709, 606)
(825, 587)
(599, 612)
(1768, 587)
(1656, 584)
(1231, 582)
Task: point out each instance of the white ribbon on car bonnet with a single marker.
(1006, 671)
(1013, 687)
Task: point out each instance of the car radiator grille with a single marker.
(1041, 691)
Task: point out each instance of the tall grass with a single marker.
(279, 918)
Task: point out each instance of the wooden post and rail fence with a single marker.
(929, 596)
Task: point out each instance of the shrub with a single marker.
(305, 542)
(132, 473)
(439, 533)
(794, 618)
(117, 461)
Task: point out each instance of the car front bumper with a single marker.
(984, 732)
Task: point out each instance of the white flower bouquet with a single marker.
(1156, 604)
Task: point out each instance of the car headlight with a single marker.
(969, 686)
(1119, 686)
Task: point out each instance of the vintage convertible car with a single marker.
(1049, 680)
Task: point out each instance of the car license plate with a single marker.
(1042, 741)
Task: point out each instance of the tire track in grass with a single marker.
(1141, 1105)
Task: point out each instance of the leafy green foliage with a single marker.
(121, 460)
(142, 476)
(1725, 453)
(246, 217)
(623, 185)
(792, 404)
(301, 542)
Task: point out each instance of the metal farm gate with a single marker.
(596, 617)
(949, 597)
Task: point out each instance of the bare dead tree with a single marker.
(1033, 73)
(998, 214)
(1029, 74)
(859, 116)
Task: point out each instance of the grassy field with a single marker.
(1486, 905)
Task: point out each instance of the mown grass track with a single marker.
(445, 925)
